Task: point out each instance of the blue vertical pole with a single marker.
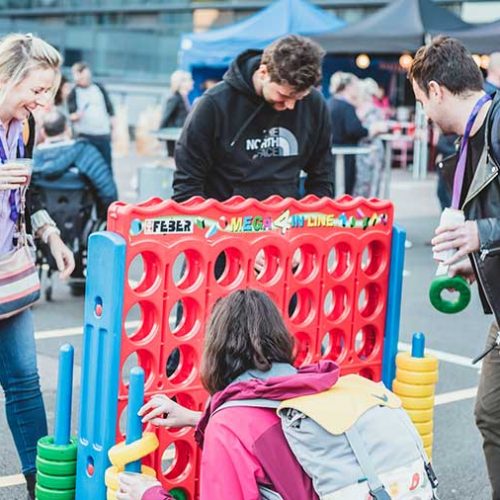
(103, 318)
(393, 312)
(62, 428)
(135, 401)
(418, 345)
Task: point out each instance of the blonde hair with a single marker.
(22, 53)
(494, 61)
(177, 78)
(340, 80)
(368, 88)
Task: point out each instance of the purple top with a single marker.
(7, 226)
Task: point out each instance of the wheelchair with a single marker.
(74, 211)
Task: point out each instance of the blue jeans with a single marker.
(20, 382)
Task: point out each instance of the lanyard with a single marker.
(458, 179)
(14, 213)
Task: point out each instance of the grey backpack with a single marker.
(355, 442)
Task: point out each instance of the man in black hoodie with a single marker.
(254, 132)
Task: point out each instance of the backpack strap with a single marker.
(377, 490)
(254, 403)
(431, 475)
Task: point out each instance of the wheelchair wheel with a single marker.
(77, 289)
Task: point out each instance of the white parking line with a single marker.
(61, 332)
(444, 356)
(454, 396)
(402, 346)
(74, 330)
(14, 480)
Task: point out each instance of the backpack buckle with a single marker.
(380, 494)
(431, 475)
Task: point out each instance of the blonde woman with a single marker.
(29, 74)
(177, 106)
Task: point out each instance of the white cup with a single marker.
(25, 164)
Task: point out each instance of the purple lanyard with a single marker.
(458, 179)
(14, 213)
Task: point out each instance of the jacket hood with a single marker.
(309, 379)
(52, 160)
(239, 75)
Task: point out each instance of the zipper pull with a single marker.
(488, 350)
(484, 254)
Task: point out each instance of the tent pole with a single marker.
(420, 157)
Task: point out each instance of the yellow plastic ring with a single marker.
(413, 391)
(416, 378)
(122, 454)
(427, 440)
(428, 452)
(418, 416)
(417, 403)
(111, 475)
(405, 361)
(424, 428)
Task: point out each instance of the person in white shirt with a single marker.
(91, 110)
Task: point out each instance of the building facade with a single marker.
(137, 41)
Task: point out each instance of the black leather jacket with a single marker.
(482, 204)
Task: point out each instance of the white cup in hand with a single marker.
(15, 173)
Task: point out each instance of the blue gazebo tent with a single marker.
(208, 54)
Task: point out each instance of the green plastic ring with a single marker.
(457, 283)
(46, 448)
(52, 468)
(178, 494)
(48, 494)
(56, 482)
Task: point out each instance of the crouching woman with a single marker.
(248, 355)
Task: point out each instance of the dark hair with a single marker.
(245, 331)
(79, 66)
(447, 62)
(294, 60)
(58, 98)
(54, 123)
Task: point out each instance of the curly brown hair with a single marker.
(447, 62)
(245, 331)
(294, 60)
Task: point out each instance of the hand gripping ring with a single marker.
(457, 283)
(111, 475)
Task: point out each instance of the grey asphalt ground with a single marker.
(457, 458)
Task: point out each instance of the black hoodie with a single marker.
(235, 143)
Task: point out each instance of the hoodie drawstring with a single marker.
(247, 122)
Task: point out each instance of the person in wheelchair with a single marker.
(76, 187)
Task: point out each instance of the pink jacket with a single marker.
(244, 448)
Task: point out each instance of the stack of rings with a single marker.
(56, 469)
(415, 385)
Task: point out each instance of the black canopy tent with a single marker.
(401, 26)
(482, 38)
